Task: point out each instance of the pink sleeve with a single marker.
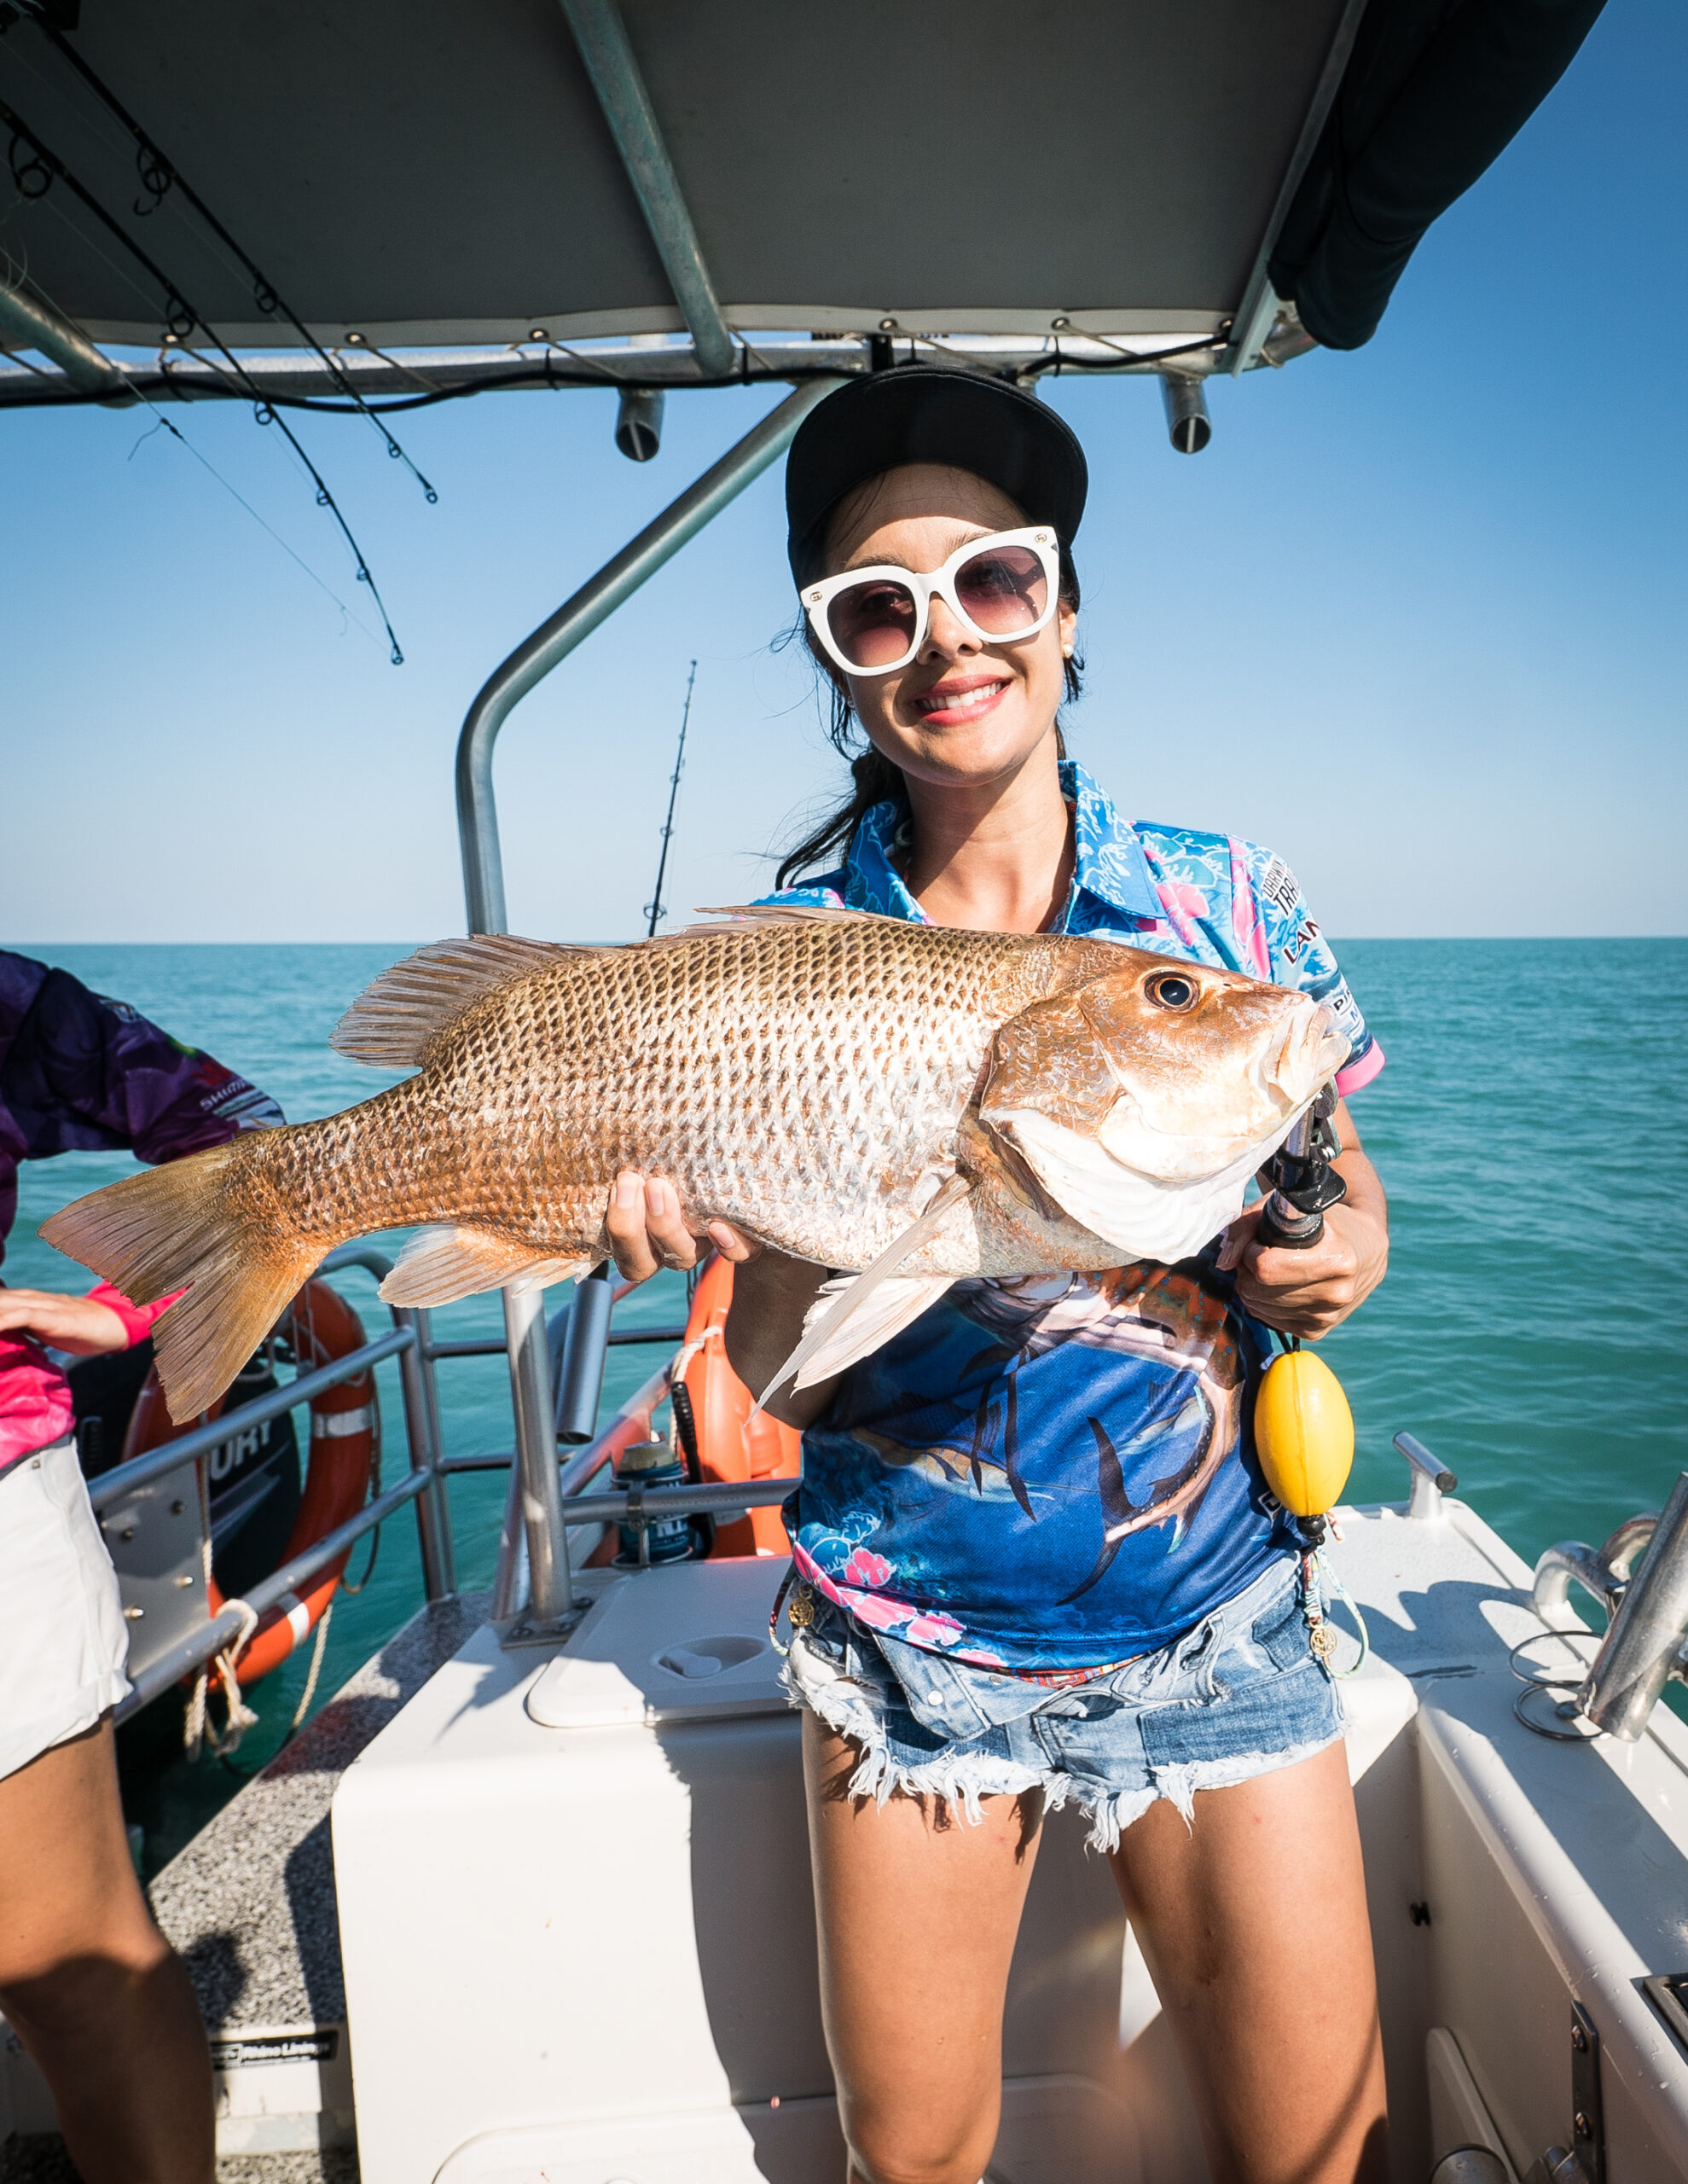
(137, 1319)
(1360, 1073)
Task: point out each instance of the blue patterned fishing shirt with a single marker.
(1055, 1472)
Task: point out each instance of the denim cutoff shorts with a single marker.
(1240, 1694)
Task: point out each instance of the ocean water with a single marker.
(1529, 1128)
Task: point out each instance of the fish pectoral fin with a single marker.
(853, 1296)
(392, 1020)
(896, 1301)
(440, 1265)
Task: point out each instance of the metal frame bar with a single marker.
(487, 1345)
(112, 1485)
(1259, 306)
(532, 1396)
(601, 38)
(298, 375)
(680, 1500)
(574, 621)
(550, 1580)
(29, 321)
(421, 1422)
(199, 1646)
(410, 1341)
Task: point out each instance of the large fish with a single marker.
(915, 1102)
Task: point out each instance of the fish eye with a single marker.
(1172, 989)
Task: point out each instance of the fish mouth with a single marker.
(1312, 1052)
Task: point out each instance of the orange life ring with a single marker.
(731, 1443)
(343, 1448)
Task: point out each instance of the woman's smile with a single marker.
(958, 699)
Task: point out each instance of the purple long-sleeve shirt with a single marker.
(82, 1073)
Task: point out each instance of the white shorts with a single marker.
(63, 1640)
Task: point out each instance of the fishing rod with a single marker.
(656, 909)
(1305, 1185)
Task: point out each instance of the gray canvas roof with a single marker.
(412, 175)
(426, 173)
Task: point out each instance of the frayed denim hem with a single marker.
(961, 1777)
(1110, 1818)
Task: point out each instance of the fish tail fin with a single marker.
(181, 1227)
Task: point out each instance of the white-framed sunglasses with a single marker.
(873, 621)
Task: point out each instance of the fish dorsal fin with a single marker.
(743, 914)
(440, 1265)
(392, 1020)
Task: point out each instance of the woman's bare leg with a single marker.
(89, 1985)
(1254, 1924)
(917, 1915)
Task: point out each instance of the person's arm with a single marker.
(81, 1325)
(85, 1072)
(1308, 1292)
(770, 1292)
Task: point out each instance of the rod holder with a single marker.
(585, 1344)
(1643, 1648)
(639, 422)
(550, 1587)
(1187, 423)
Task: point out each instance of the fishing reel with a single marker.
(1305, 1185)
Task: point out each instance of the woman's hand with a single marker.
(77, 1324)
(647, 1232)
(1310, 1292)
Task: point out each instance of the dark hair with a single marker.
(875, 778)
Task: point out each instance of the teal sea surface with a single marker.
(1529, 1128)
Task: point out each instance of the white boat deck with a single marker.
(482, 1798)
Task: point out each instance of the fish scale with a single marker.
(813, 1076)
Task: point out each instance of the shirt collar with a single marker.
(1109, 863)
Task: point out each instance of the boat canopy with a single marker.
(1102, 184)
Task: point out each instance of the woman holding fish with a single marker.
(1003, 1075)
(1038, 1558)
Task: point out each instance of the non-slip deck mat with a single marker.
(250, 1903)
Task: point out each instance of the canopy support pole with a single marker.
(552, 1609)
(1260, 307)
(552, 642)
(29, 321)
(601, 37)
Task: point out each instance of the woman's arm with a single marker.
(1308, 1292)
(770, 1292)
(770, 1295)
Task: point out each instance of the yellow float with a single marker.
(1303, 1434)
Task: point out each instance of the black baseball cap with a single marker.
(925, 413)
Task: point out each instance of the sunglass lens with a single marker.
(872, 623)
(1002, 590)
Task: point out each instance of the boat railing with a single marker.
(411, 1341)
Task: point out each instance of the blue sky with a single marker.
(1416, 617)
